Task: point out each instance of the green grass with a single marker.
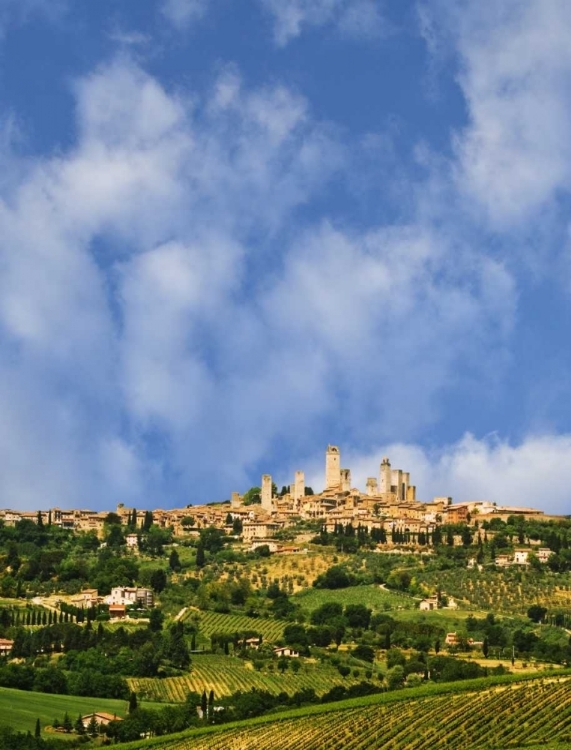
(373, 596)
(20, 708)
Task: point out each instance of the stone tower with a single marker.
(267, 492)
(385, 484)
(332, 467)
(345, 480)
(372, 487)
(298, 489)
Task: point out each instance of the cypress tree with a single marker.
(38, 730)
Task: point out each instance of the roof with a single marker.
(102, 715)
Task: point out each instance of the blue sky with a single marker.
(232, 232)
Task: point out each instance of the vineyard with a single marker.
(498, 716)
(216, 622)
(227, 674)
(505, 591)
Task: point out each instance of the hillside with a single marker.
(498, 714)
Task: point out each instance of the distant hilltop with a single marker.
(388, 503)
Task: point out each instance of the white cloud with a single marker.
(181, 13)
(514, 156)
(168, 322)
(355, 18)
(18, 12)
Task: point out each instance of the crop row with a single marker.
(503, 716)
(225, 675)
(216, 622)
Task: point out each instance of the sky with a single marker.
(234, 232)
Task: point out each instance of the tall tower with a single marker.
(385, 483)
(267, 492)
(345, 480)
(332, 467)
(396, 482)
(372, 487)
(298, 486)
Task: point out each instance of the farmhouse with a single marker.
(426, 605)
(86, 599)
(286, 651)
(101, 718)
(117, 611)
(5, 646)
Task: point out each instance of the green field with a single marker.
(376, 598)
(20, 708)
(498, 713)
(227, 674)
(215, 622)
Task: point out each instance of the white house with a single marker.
(286, 651)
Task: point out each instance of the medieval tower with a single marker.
(332, 467)
(267, 492)
(385, 483)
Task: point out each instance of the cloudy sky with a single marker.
(234, 231)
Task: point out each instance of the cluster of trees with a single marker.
(94, 661)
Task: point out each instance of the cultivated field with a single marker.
(227, 674)
(501, 715)
(503, 591)
(215, 622)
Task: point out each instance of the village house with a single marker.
(131, 596)
(428, 604)
(6, 646)
(86, 599)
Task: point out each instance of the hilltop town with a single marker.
(389, 503)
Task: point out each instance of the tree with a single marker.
(174, 561)
(204, 704)
(156, 619)
(93, 727)
(536, 613)
(79, 726)
(237, 526)
(38, 730)
(253, 496)
(158, 580)
(485, 647)
(395, 677)
(177, 650)
(200, 556)
(283, 663)
(66, 724)
(133, 702)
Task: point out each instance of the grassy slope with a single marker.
(20, 708)
(436, 715)
(374, 597)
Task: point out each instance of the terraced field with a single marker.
(227, 674)
(215, 622)
(500, 716)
